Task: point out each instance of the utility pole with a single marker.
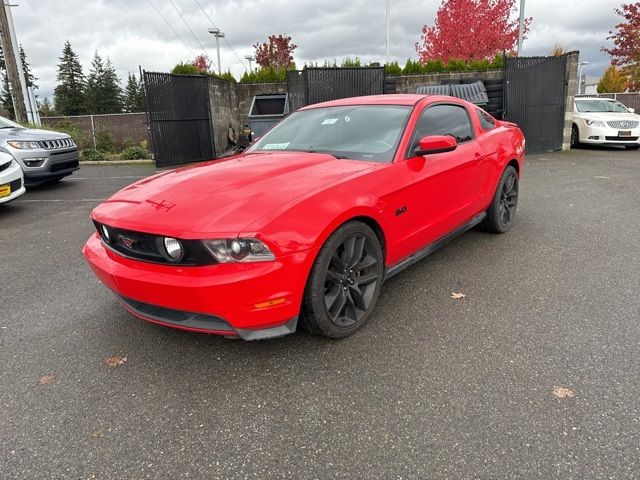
(13, 63)
(521, 27)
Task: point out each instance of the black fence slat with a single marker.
(179, 118)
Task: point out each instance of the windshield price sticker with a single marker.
(276, 146)
(329, 121)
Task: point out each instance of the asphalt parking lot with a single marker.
(432, 387)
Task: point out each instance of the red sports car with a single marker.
(306, 225)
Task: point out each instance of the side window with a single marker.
(442, 120)
(487, 122)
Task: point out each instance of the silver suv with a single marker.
(44, 156)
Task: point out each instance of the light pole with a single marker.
(250, 58)
(388, 35)
(218, 34)
(521, 27)
(580, 65)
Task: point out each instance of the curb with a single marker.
(116, 162)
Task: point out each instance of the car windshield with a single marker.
(359, 132)
(594, 105)
(6, 123)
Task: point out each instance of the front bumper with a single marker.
(608, 136)
(249, 300)
(55, 164)
(12, 176)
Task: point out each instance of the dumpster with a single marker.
(267, 110)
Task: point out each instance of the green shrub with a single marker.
(185, 69)
(265, 75)
(104, 141)
(393, 69)
(91, 154)
(348, 63)
(81, 139)
(135, 153)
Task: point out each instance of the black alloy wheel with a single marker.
(345, 282)
(502, 210)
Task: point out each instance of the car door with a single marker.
(447, 188)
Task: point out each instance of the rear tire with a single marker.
(344, 283)
(575, 137)
(502, 210)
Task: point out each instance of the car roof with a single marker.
(391, 99)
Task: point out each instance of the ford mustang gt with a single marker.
(306, 224)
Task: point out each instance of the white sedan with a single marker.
(11, 179)
(604, 121)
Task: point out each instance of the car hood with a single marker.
(609, 116)
(225, 196)
(20, 133)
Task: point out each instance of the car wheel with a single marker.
(344, 284)
(632, 147)
(502, 211)
(575, 137)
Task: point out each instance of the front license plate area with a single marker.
(624, 133)
(5, 190)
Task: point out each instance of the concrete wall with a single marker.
(229, 104)
(409, 83)
(573, 58)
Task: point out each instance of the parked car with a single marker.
(11, 179)
(604, 121)
(43, 155)
(308, 222)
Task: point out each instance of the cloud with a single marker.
(132, 34)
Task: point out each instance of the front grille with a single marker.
(148, 247)
(623, 124)
(56, 167)
(57, 143)
(5, 166)
(622, 139)
(16, 184)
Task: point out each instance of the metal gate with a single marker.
(321, 84)
(179, 118)
(534, 98)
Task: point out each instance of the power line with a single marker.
(224, 38)
(204, 50)
(171, 27)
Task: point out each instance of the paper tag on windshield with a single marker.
(275, 146)
(329, 121)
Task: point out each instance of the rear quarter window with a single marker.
(487, 122)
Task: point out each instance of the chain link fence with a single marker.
(125, 129)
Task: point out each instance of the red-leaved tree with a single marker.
(626, 40)
(470, 30)
(276, 53)
(202, 63)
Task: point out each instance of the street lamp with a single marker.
(218, 34)
(250, 58)
(580, 76)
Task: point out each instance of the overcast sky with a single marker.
(131, 33)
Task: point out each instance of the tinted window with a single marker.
(443, 120)
(487, 122)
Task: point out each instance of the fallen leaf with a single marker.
(115, 361)
(46, 379)
(98, 434)
(457, 296)
(563, 392)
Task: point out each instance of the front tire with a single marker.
(502, 210)
(344, 284)
(632, 147)
(575, 137)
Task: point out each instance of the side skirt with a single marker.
(420, 254)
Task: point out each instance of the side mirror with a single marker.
(436, 144)
(632, 110)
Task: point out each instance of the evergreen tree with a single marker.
(46, 109)
(29, 78)
(5, 95)
(133, 100)
(69, 93)
(103, 93)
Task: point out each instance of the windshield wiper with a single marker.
(340, 157)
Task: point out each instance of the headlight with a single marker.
(239, 250)
(594, 123)
(23, 145)
(174, 248)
